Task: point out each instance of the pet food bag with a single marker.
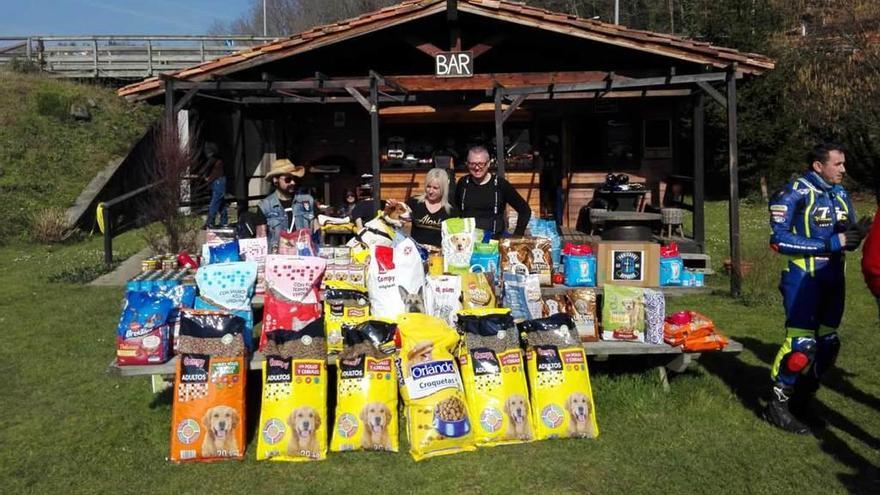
(477, 291)
(522, 294)
(293, 410)
(208, 412)
(228, 287)
(459, 237)
(487, 257)
(516, 252)
(366, 390)
(410, 273)
(344, 305)
(256, 250)
(143, 334)
(443, 297)
(561, 395)
(655, 314)
(623, 313)
(224, 253)
(544, 227)
(579, 265)
(671, 265)
(382, 284)
(554, 304)
(437, 418)
(295, 278)
(581, 306)
(493, 370)
(297, 243)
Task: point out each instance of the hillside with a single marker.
(46, 156)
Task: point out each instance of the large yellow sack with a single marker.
(437, 417)
(345, 305)
(493, 369)
(293, 413)
(562, 398)
(366, 390)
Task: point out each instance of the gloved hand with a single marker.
(855, 233)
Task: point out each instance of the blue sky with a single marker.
(69, 17)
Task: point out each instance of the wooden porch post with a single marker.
(238, 136)
(699, 226)
(733, 211)
(499, 133)
(170, 116)
(374, 139)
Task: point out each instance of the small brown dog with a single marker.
(579, 407)
(220, 423)
(518, 415)
(305, 422)
(375, 417)
(381, 230)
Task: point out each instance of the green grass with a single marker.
(68, 427)
(46, 158)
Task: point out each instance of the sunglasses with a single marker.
(287, 178)
(477, 164)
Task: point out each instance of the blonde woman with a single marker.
(431, 208)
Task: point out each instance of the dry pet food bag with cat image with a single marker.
(366, 390)
(437, 419)
(293, 411)
(208, 412)
(493, 369)
(561, 395)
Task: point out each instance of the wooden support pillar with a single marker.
(499, 133)
(374, 139)
(170, 117)
(238, 152)
(699, 226)
(733, 211)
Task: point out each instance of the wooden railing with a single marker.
(119, 57)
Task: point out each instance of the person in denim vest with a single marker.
(288, 208)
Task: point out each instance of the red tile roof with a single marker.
(657, 43)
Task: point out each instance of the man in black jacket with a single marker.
(485, 196)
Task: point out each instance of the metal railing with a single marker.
(120, 56)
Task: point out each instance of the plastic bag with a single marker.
(459, 237)
(443, 297)
(143, 333)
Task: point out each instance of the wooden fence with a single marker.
(119, 57)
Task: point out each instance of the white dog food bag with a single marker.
(410, 275)
(382, 285)
(459, 237)
(443, 297)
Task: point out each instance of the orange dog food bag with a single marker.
(209, 388)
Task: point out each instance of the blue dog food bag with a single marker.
(224, 253)
(579, 265)
(671, 266)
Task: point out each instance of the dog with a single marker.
(375, 417)
(413, 303)
(634, 310)
(220, 423)
(518, 415)
(579, 407)
(305, 422)
(381, 230)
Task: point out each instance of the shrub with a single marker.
(23, 66)
(50, 226)
(53, 104)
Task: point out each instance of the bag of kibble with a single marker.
(293, 412)
(208, 409)
(492, 366)
(561, 395)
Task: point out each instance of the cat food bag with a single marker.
(228, 287)
(295, 278)
(580, 265)
(443, 297)
(208, 411)
(459, 237)
(477, 291)
(493, 370)
(581, 306)
(143, 334)
(224, 253)
(256, 250)
(623, 313)
(382, 284)
(293, 411)
(487, 257)
(437, 417)
(366, 390)
(345, 305)
(559, 381)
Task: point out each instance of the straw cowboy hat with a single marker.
(284, 166)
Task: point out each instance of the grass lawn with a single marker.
(68, 427)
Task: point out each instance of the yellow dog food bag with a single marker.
(345, 304)
(561, 395)
(366, 390)
(437, 417)
(493, 369)
(293, 412)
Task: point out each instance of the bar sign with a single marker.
(454, 64)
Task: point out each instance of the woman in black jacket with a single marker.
(485, 196)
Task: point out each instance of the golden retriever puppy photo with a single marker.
(220, 423)
(375, 417)
(634, 310)
(305, 422)
(462, 242)
(518, 415)
(579, 407)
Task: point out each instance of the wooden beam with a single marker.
(714, 93)
(451, 10)
(517, 101)
(185, 100)
(374, 140)
(423, 46)
(620, 83)
(499, 134)
(360, 98)
(733, 208)
(485, 46)
(170, 114)
(699, 218)
(490, 81)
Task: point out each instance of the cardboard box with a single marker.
(628, 263)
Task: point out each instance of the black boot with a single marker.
(803, 403)
(777, 412)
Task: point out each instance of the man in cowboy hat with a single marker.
(288, 207)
